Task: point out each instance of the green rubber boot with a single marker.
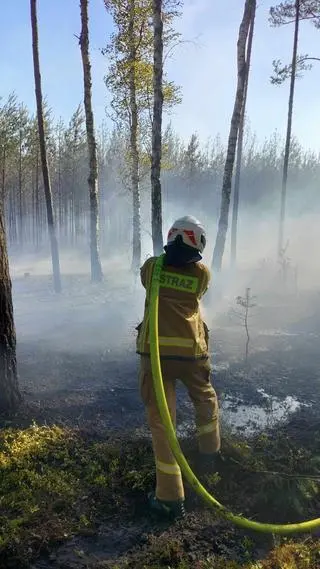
(173, 510)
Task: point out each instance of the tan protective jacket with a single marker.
(182, 332)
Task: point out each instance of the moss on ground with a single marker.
(287, 556)
(56, 483)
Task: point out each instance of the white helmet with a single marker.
(191, 231)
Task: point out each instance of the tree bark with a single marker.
(9, 389)
(96, 269)
(233, 136)
(34, 227)
(289, 128)
(38, 228)
(60, 215)
(12, 219)
(236, 194)
(21, 212)
(156, 198)
(136, 201)
(43, 150)
(3, 177)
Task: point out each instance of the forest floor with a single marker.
(76, 462)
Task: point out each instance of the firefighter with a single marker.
(183, 345)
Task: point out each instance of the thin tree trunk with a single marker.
(38, 229)
(76, 213)
(66, 203)
(156, 199)
(3, 178)
(235, 209)
(34, 227)
(246, 323)
(43, 150)
(96, 268)
(13, 218)
(60, 216)
(21, 212)
(233, 136)
(289, 128)
(72, 205)
(136, 217)
(9, 389)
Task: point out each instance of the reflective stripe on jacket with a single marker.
(182, 332)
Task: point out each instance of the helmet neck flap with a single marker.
(179, 254)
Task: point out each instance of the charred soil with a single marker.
(76, 460)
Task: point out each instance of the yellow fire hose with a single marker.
(238, 520)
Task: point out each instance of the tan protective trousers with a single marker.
(195, 375)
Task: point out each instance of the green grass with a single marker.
(57, 482)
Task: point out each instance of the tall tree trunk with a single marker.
(96, 269)
(66, 204)
(136, 217)
(233, 136)
(76, 214)
(34, 227)
(156, 199)
(13, 218)
(236, 194)
(289, 128)
(9, 389)
(60, 216)
(37, 204)
(3, 177)
(72, 205)
(43, 150)
(21, 212)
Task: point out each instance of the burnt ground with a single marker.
(77, 358)
(78, 368)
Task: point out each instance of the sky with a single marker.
(204, 65)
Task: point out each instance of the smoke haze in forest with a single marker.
(93, 319)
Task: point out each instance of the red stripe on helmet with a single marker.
(191, 236)
(171, 231)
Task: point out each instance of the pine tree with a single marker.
(280, 15)
(96, 269)
(9, 390)
(156, 198)
(130, 80)
(43, 149)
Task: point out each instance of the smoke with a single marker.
(86, 317)
(99, 317)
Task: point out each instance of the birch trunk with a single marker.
(236, 194)
(233, 136)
